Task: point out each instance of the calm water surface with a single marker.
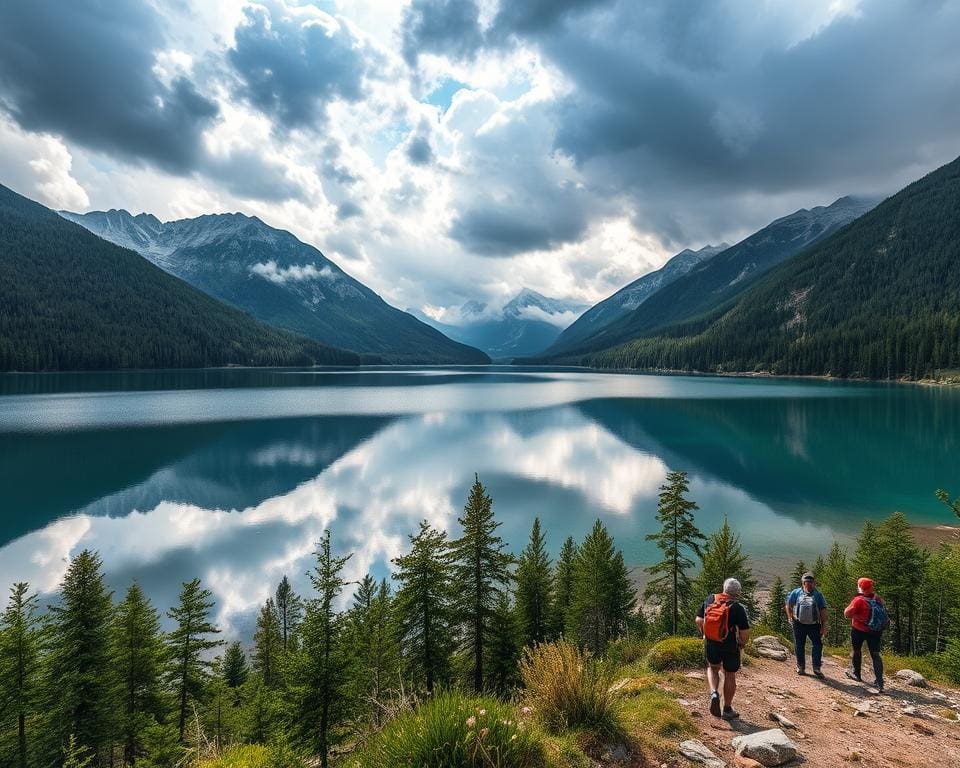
(233, 475)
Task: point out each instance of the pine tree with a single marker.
(235, 670)
(602, 599)
(76, 755)
(533, 588)
(563, 588)
(289, 611)
(480, 571)
(188, 646)
(940, 601)
(677, 537)
(722, 558)
(776, 616)
(77, 660)
(838, 587)
(373, 639)
(136, 662)
(268, 645)
(322, 674)
(796, 577)
(888, 554)
(503, 650)
(952, 504)
(19, 664)
(423, 607)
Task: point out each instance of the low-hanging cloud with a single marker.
(295, 273)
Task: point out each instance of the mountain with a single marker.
(718, 281)
(70, 300)
(878, 299)
(280, 280)
(526, 325)
(631, 296)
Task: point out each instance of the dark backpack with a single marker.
(879, 618)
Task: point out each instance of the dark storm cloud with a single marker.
(348, 210)
(293, 63)
(503, 229)
(446, 27)
(83, 69)
(530, 17)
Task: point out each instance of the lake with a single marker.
(232, 475)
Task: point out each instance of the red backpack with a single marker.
(716, 618)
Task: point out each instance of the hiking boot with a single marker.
(817, 672)
(715, 704)
(880, 686)
(853, 675)
(801, 671)
(729, 713)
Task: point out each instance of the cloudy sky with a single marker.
(444, 150)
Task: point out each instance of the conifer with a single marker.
(533, 589)
(188, 645)
(19, 664)
(423, 607)
(78, 695)
(136, 662)
(268, 645)
(480, 571)
(678, 539)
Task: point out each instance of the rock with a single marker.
(697, 752)
(924, 729)
(768, 748)
(770, 647)
(911, 711)
(912, 678)
(746, 762)
(778, 718)
(696, 675)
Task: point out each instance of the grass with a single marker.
(456, 731)
(242, 756)
(676, 653)
(568, 689)
(656, 719)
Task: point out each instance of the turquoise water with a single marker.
(233, 475)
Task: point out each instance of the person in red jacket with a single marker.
(859, 612)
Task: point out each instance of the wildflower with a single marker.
(471, 721)
(483, 712)
(526, 711)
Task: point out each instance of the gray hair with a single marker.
(731, 587)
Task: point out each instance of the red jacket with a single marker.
(859, 611)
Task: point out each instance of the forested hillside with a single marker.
(717, 282)
(71, 301)
(878, 299)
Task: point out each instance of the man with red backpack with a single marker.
(725, 627)
(868, 617)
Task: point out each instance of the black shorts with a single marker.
(722, 653)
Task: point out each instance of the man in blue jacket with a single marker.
(807, 613)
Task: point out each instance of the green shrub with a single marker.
(569, 689)
(454, 731)
(623, 652)
(242, 756)
(676, 653)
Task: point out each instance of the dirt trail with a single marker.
(828, 730)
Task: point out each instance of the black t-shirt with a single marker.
(738, 619)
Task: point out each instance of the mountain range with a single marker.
(526, 325)
(631, 296)
(714, 281)
(280, 280)
(878, 298)
(70, 300)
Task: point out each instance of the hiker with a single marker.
(806, 610)
(868, 617)
(725, 628)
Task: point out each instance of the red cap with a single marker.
(865, 585)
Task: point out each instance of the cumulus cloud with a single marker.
(448, 27)
(85, 70)
(295, 273)
(39, 166)
(294, 60)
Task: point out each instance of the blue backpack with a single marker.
(879, 618)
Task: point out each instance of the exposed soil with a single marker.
(828, 730)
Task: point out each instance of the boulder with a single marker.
(746, 762)
(696, 752)
(770, 647)
(768, 748)
(782, 721)
(912, 678)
